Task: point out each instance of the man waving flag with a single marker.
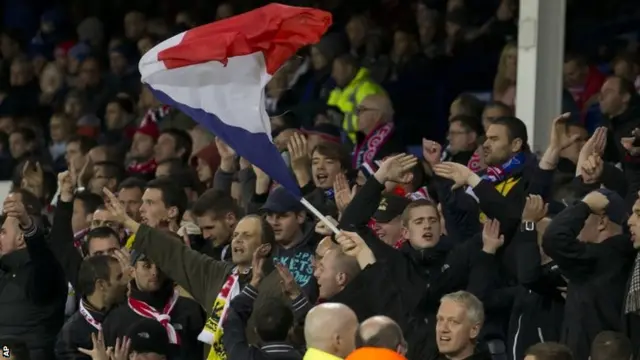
(216, 74)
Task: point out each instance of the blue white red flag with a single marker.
(216, 74)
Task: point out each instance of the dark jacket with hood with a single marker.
(596, 273)
(299, 258)
(187, 318)
(32, 295)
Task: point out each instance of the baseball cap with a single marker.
(616, 209)
(280, 201)
(390, 207)
(137, 256)
(149, 336)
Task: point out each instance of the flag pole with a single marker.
(319, 215)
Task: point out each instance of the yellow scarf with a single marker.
(213, 329)
(503, 188)
(130, 241)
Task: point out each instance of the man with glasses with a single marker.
(375, 122)
(463, 137)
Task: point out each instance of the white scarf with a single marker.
(88, 317)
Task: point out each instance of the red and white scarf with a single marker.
(213, 329)
(143, 309)
(88, 317)
(367, 150)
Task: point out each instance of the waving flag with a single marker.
(216, 74)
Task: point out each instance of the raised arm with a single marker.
(193, 271)
(45, 277)
(560, 240)
(60, 240)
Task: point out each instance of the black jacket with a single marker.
(235, 341)
(619, 127)
(32, 295)
(597, 276)
(538, 306)
(76, 333)
(187, 318)
(60, 242)
(631, 323)
(423, 275)
(416, 279)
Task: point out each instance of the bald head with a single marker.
(380, 102)
(331, 327)
(380, 332)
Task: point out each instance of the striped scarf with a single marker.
(213, 329)
(632, 302)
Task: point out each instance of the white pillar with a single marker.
(540, 60)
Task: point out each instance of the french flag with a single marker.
(216, 74)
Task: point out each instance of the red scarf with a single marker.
(366, 151)
(143, 309)
(475, 163)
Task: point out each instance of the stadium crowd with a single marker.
(131, 232)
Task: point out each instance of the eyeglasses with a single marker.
(363, 109)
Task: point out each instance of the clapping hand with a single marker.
(99, 351)
(397, 168)
(491, 238)
(288, 283)
(458, 173)
(341, 192)
(535, 209)
(297, 148)
(257, 264)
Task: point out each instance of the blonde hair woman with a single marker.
(504, 85)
